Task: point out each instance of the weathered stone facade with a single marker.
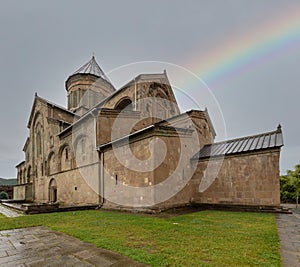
(132, 148)
(247, 179)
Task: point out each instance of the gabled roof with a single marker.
(105, 100)
(124, 139)
(54, 105)
(241, 145)
(26, 144)
(91, 67)
(20, 164)
(140, 77)
(148, 77)
(191, 113)
(38, 98)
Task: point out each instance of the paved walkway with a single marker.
(288, 226)
(8, 212)
(40, 246)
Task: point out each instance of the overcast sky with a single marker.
(43, 42)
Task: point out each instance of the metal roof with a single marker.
(93, 68)
(241, 145)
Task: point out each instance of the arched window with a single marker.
(38, 144)
(24, 176)
(83, 146)
(124, 104)
(28, 174)
(65, 158)
(51, 141)
(78, 156)
(20, 177)
(51, 163)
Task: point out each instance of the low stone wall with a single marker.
(39, 208)
(23, 192)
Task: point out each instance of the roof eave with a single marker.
(194, 158)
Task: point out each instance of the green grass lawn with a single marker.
(207, 238)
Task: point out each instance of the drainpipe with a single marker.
(101, 179)
(101, 164)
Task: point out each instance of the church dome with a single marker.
(91, 67)
(89, 81)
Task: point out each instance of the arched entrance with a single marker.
(52, 191)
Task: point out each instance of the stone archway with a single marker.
(52, 191)
(124, 104)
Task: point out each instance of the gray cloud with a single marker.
(42, 43)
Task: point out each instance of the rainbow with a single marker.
(275, 37)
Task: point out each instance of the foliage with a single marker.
(290, 184)
(207, 238)
(3, 195)
(8, 181)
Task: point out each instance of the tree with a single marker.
(290, 184)
(3, 195)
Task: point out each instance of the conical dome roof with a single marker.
(93, 68)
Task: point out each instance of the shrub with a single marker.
(290, 184)
(3, 195)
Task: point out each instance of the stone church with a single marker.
(132, 148)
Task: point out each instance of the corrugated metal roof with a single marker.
(93, 68)
(241, 145)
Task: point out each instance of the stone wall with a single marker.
(107, 124)
(198, 121)
(149, 169)
(73, 165)
(86, 90)
(164, 107)
(23, 192)
(244, 179)
(72, 188)
(42, 147)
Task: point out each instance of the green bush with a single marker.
(290, 184)
(3, 195)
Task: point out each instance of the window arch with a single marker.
(38, 144)
(160, 93)
(65, 158)
(28, 174)
(20, 177)
(81, 146)
(37, 134)
(24, 176)
(124, 104)
(51, 163)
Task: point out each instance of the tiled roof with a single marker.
(241, 145)
(93, 68)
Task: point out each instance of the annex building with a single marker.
(132, 148)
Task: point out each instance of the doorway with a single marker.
(52, 191)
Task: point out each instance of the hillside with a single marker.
(8, 181)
